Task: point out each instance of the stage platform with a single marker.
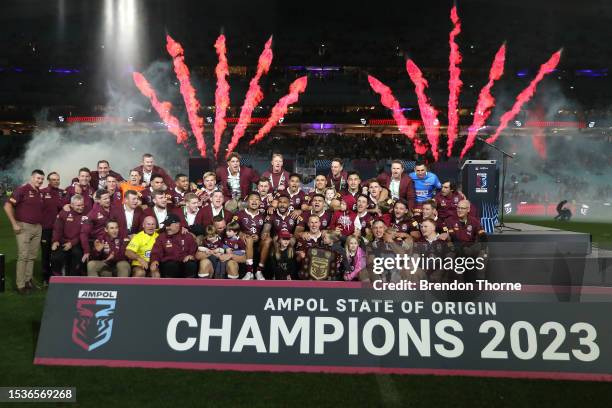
(547, 256)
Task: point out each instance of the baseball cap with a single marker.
(171, 219)
(284, 234)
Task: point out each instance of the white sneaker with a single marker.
(259, 275)
(248, 276)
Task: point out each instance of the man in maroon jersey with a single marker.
(447, 200)
(159, 210)
(95, 222)
(98, 177)
(320, 186)
(156, 184)
(148, 169)
(428, 210)
(431, 245)
(191, 216)
(174, 255)
(297, 197)
(53, 198)
(83, 188)
(407, 229)
(337, 178)
(267, 205)
(311, 238)
(113, 190)
(209, 186)
(24, 211)
(278, 221)
(235, 179)
(365, 218)
(354, 190)
(177, 194)
(108, 254)
(251, 223)
(129, 215)
(66, 249)
(398, 183)
(318, 209)
(465, 231)
(278, 176)
(215, 209)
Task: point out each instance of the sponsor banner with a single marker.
(325, 327)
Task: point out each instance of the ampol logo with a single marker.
(93, 325)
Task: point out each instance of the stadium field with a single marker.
(20, 319)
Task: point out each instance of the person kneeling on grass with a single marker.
(175, 253)
(108, 255)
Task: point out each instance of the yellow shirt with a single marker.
(142, 244)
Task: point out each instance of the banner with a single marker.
(324, 327)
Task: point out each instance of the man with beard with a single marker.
(297, 197)
(278, 176)
(318, 209)
(407, 229)
(98, 177)
(156, 184)
(83, 188)
(134, 183)
(267, 205)
(336, 177)
(466, 232)
(174, 254)
(24, 211)
(113, 190)
(275, 223)
(53, 197)
(148, 168)
(354, 190)
(140, 246)
(95, 221)
(383, 246)
(428, 210)
(159, 210)
(251, 223)
(66, 251)
(398, 183)
(177, 194)
(129, 215)
(108, 254)
(191, 216)
(320, 186)
(215, 209)
(309, 239)
(447, 200)
(235, 179)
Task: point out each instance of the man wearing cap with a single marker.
(174, 253)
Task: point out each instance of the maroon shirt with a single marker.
(440, 224)
(86, 192)
(175, 198)
(173, 247)
(206, 215)
(366, 222)
(116, 199)
(296, 200)
(447, 205)
(235, 244)
(345, 220)
(304, 244)
(468, 231)
(67, 227)
(52, 205)
(28, 203)
(326, 218)
(249, 224)
(146, 196)
(93, 225)
(277, 179)
(116, 247)
(157, 170)
(405, 224)
(406, 187)
(213, 245)
(118, 213)
(351, 200)
(248, 177)
(340, 183)
(279, 223)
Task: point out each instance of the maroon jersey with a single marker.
(173, 247)
(213, 245)
(325, 218)
(366, 221)
(115, 246)
(52, 204)
(67, 227)
(447, 205)
(404, 224)
(277, 179)
(304, 244)
(436, 248)
(351, 200)
(249, 224)
(440, 224)
(467, 231)
(116, 199)
(296, 200)
(279, 223)
(236, 244)
(345, 220)
(28, 203)
(93, 225)
(86, 193)
(175, 198)
(310, 195)
(340, 183)
(118, 213)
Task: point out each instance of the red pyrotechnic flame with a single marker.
(538, 137)
(253, 97)
(162, 108)
(428, 112)
(280, 109)
(486, 101)
(390, 102)
(454, 83)
(525, 95)
(222, 99)
(189, 94)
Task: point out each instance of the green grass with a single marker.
(20, 318)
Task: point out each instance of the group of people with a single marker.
(234, 224)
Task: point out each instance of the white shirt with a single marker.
(160, 215)
(129, 217)
(190, 218)
(216, 211)
(394, 188)
(234, 182)
(146, 177)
